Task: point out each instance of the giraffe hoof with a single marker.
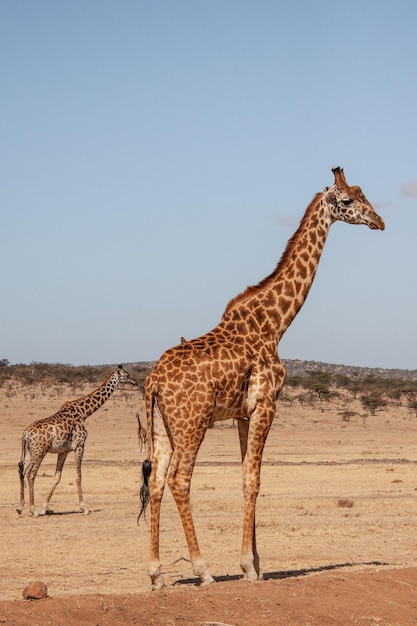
(157, 584)
(207, 581)
(252, 576)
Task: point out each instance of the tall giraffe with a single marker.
(234, 372)
(60, 434)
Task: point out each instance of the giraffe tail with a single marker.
(147, 465)
(144, 490)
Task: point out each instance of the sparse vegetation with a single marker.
(346, 416)
(377, 390)
(345, 503)
(58, 373)
(308, 382)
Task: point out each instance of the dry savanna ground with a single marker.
(337, 524)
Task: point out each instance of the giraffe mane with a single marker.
(289, 249)
(70, 402)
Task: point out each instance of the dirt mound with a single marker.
(386, 598)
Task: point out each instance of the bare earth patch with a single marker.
(336, 524)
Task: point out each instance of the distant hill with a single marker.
(297, 367)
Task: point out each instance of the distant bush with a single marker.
(413, 406)
(347, 415)
(346, 503)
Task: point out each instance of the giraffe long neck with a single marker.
(270, 307)
(94, 400)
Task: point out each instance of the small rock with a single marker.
(35, 591)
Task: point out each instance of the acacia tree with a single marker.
(319, 383)
(373, 401)
(413, 406)
(321, 390)
(409, 390)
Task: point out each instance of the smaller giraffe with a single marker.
(142, 435)
(60, 434)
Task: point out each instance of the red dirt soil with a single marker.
(384, 598)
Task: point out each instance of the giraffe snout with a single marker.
(377, 223)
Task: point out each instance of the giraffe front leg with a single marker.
(249, 560)
(249, 557)
(252, 447)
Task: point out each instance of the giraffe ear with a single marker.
(330, 195)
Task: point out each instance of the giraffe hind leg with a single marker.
(179, 481)
(154, 471)
(159, 468)
(21, 468)
(31, 475)
(25, 464)
(259, 426)
(58, 472)
(28, 469)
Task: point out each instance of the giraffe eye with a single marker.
(347, 201)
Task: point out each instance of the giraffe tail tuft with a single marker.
(144, 490)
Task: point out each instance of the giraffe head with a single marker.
(124, 377)
(349, 204)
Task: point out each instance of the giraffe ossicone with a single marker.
(60, 434)
(234, 372)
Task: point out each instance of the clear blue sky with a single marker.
(156, 156)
